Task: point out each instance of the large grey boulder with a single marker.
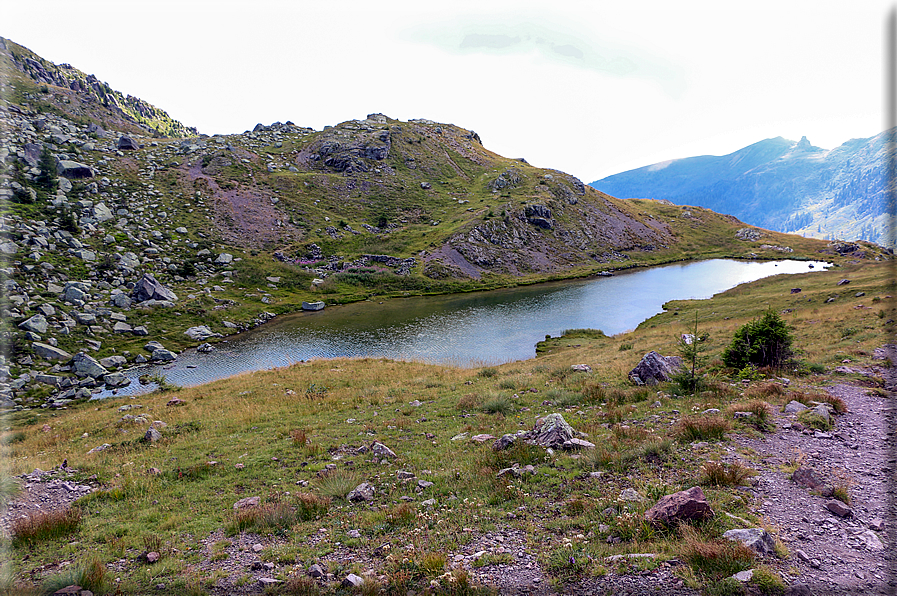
(150, 289)
(756, 539)
(86, 366)
(654, 368)
(200, 333)
(75, 290)
(126, 143)
(36, 324)
(50, 352)
(73, 169)
(130, 260)
(163, 355)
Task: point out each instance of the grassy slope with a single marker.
(249, 420)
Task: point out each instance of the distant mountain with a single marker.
(780, 185)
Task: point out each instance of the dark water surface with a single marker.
(473, 329)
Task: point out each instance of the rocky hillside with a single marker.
(781, 185)
(128, 246)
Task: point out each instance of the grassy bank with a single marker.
(300, 438)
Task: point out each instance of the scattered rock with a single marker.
(683, 505)
(839, 508)
(756, 539)
(247, 503)
(364, 492)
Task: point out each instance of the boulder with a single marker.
(224, 259)
(116, 380)
(200, 333)
(75, 290)
(839, 508)
(756, 539)
(681, 506)
(102, 213)
(121, 300)
(36, 324)
(163, 355)
(85, 366)
(152, 435)
(353, 581)
(247, 503)
(73, 169)
(150, 289)
(361, 493)
(381, 450)
(113, 361)
(126, 143)
(550, 431)
(794, 407)
(808, 478)
(654, 368)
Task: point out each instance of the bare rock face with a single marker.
(150, 289)
(684, 505)
(654, 368)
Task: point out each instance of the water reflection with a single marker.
(466, 329)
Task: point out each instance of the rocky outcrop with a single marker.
(654, 368)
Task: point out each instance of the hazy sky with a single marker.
(589, 87)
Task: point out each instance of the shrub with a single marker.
(762, 342)
(701, 428)
(45, 525)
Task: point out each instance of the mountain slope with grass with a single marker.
(783, 185)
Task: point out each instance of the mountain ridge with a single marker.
(783, 185)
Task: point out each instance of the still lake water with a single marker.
(474, 329)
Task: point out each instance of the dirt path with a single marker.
(829, 553)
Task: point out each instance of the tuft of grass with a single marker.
(813, 420)
(767, 581)
(269, 518)
(299, 437)
(309, 506)
(498, 405)
(300, 585)
(761, 410)
(92, 576)
(488, 372)
(713, 559)
(337, 484)
(45, 525)
(702, 428)
(714, 473)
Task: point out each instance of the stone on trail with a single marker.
(654, 368)
(794, 407)
(839, 508)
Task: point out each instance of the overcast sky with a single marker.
(588, 87)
